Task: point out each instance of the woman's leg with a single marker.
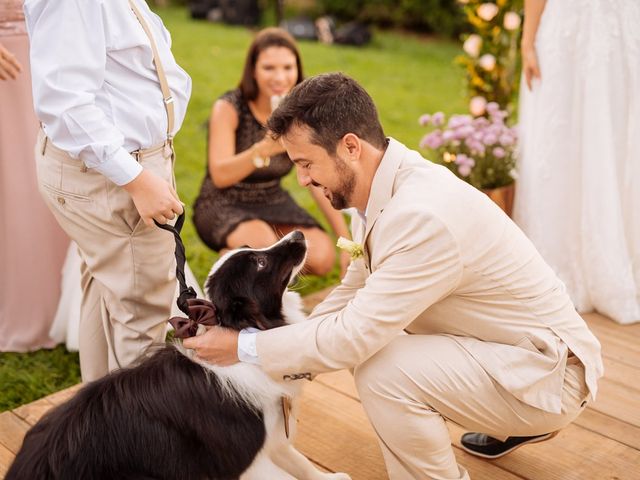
(321, 254)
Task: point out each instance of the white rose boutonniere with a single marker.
(355, 249)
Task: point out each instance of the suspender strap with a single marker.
(164, 85)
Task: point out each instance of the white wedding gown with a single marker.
(66, 324)
(578, 190)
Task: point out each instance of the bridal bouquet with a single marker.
(479, 150)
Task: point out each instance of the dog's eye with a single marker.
(262, 262)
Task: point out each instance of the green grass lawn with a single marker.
(406, 76)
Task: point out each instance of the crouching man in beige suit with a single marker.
(450, 313)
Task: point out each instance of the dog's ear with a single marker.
(243, 312)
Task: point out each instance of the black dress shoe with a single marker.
(482, 445)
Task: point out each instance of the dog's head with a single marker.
(246, 285)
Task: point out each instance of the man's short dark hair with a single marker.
(331, 105)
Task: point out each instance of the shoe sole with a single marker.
(542, 438)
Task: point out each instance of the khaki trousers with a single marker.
(128, 271)
(414, 383)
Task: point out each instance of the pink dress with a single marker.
(32, 246)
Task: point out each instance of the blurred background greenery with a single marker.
(407, 74)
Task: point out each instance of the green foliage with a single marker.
(491, 51)
(25, 377)
(405, 75)
(437, 16)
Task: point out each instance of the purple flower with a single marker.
(490, 139)
(437, 119)
(492, 107)
(462, 159)
(432, 140)
(424, 119)
(506, 140)
(499, 152)
(464, 170)
(448, 135)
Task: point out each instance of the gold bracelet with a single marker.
(258, 160)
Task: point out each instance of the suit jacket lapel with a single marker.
(382, 186)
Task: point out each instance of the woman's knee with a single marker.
(254, 233)
(321, 255)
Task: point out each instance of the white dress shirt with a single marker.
(95, 87)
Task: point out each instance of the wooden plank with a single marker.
(32, 412)
(575, 454)
(344, 439)
(12, 431)
(610, 427)
(64, 395)
(619, 401)
(619, 342)
(6, 458)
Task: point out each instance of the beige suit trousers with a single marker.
(414, 383)
(128, 271)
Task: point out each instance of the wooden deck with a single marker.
(333, 431)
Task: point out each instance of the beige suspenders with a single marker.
(164, 85)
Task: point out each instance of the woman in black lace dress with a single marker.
(241, 200)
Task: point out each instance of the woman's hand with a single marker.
(530, 65)
(9, 65)
(218, 346)
(268, 147)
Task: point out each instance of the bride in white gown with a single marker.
(66, 324)
(578, 196)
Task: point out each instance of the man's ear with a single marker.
(352, 146)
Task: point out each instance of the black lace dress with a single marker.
(218, 211)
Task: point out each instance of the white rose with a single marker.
(487, 11)
(477, 105)
(487, 61)
(511, 21)
(472, 45)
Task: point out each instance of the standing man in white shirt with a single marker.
(110, 97)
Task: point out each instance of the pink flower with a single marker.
(487, 11)
(477, 105)
(487, 62)
(448, 135)
(424, 119)
(499, 152)
(472, 45)
(492, 107)
(511, 21)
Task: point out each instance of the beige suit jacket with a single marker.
(441, 258)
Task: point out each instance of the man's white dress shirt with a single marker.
(95, 87)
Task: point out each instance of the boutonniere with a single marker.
(355, 249)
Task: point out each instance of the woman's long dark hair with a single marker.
(269, 37)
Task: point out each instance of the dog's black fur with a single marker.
(168, 417)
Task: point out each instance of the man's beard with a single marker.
(341, 196)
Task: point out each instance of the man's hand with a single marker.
(9, 65)
(218, 346)
(154, 198)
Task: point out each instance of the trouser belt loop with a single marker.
(44, 145)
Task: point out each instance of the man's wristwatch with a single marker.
(258, 160)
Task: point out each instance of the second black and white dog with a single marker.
(171, 417)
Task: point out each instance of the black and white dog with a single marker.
(172, 418)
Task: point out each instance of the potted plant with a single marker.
(480, 150)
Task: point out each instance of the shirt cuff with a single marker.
(247, 351)
(121, 168)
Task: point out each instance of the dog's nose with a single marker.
(297, 236)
